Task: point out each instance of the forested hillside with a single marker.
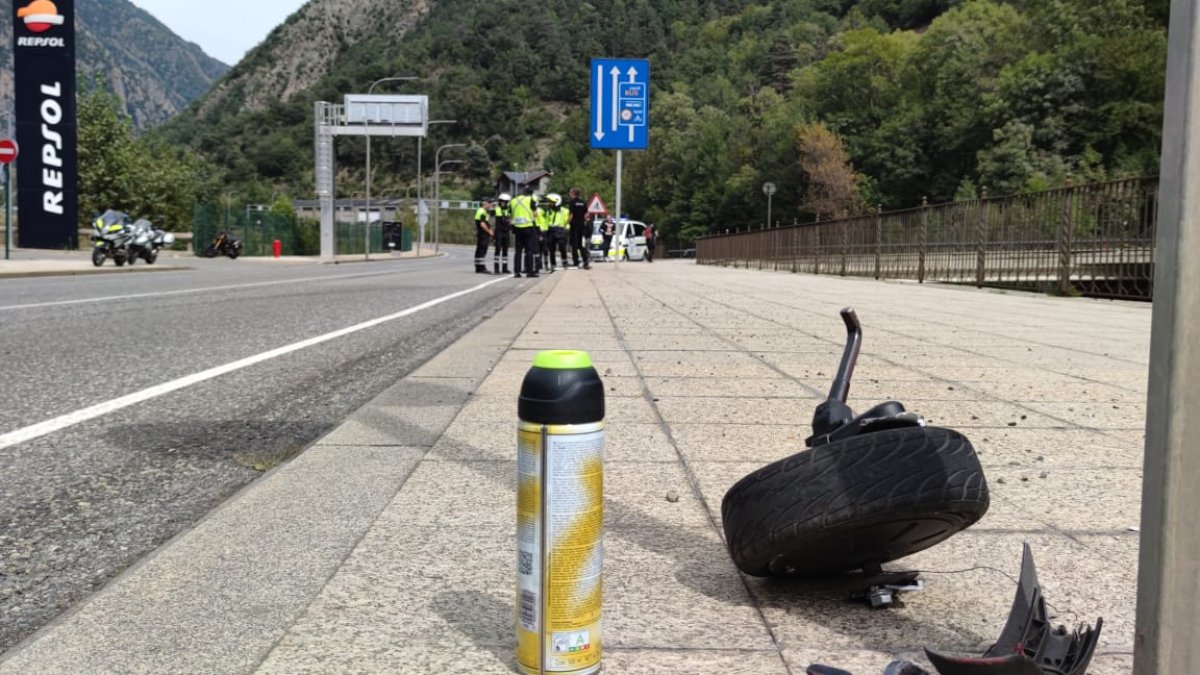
(152, 70)
(932, 98)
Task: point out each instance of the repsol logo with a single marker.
(41, 42)
(52, 148)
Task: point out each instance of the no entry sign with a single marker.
(8, 151)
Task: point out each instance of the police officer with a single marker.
(483, 236)
(525, 233)
(577, 209)
(501, 232)
(558, 231)
(542, 218)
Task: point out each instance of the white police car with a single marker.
(629, 240)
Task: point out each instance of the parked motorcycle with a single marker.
(146, 241)
(111, 235)
(224, 244)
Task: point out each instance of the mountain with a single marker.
(153, 70)
(936, 98)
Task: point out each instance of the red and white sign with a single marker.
(596, 206)
(8, 151)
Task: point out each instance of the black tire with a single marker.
(151, 257)
(867, 499)
(119, 260)
(234, 253)
(210, 252)
(98, 256)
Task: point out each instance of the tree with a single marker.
(833, 184)
(145, 177)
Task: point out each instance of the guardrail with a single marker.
(1094, 239)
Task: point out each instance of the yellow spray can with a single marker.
(560, 515)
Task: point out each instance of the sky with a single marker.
(225, 29)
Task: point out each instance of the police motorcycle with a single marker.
(146, 241)
(224, 244)
(111, 235)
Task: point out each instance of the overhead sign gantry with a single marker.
(361, 115)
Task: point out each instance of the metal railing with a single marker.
(1095, 239)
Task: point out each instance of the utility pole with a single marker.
(1167, 636)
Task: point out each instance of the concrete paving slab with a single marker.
(1042, 449)
(461, 495)
(760, 387)
(762, 443)
(1059, 391)
(1130, 415)
(636, 494)
(1074, 499)
(732, 411)
(975, 414)
(674, 587)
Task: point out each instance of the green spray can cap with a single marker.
(562, 387)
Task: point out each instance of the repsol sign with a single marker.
(41, 42)
(44, 71)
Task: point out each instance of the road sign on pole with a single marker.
(620, 104)
(8, 155)
(8, 151)
(596, 206)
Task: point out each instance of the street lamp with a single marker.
(420, 200)
(367, 229)
(437, 202)
(228, 200)
(769, 191)
(437, 194)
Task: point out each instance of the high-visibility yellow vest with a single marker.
(543, 220)
(481, 214)
(522, 212)
(560, 218)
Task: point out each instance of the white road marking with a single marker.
(186, 291)
(70, 419)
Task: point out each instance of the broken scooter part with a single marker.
(1029, 644)
(870, 489)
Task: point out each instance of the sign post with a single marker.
(8, 155)
(44, 86)
(769, 191)
(620, 118)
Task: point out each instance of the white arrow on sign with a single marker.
(616, 74)
(632, 78)
(600, 103)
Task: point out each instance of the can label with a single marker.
(561, 584)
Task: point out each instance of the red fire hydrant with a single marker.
(278, 247)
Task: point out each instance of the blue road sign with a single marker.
(620, 104)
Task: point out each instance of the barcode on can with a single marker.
(525, 562)
(529, 610)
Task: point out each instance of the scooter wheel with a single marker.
(98, 257)
(151, 257)
(234, 253)
(119, 260)
(867, 499)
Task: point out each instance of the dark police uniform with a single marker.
(502, 233)
(483, 236)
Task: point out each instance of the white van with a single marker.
(629, 241)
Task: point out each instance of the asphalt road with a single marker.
(82, 503)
